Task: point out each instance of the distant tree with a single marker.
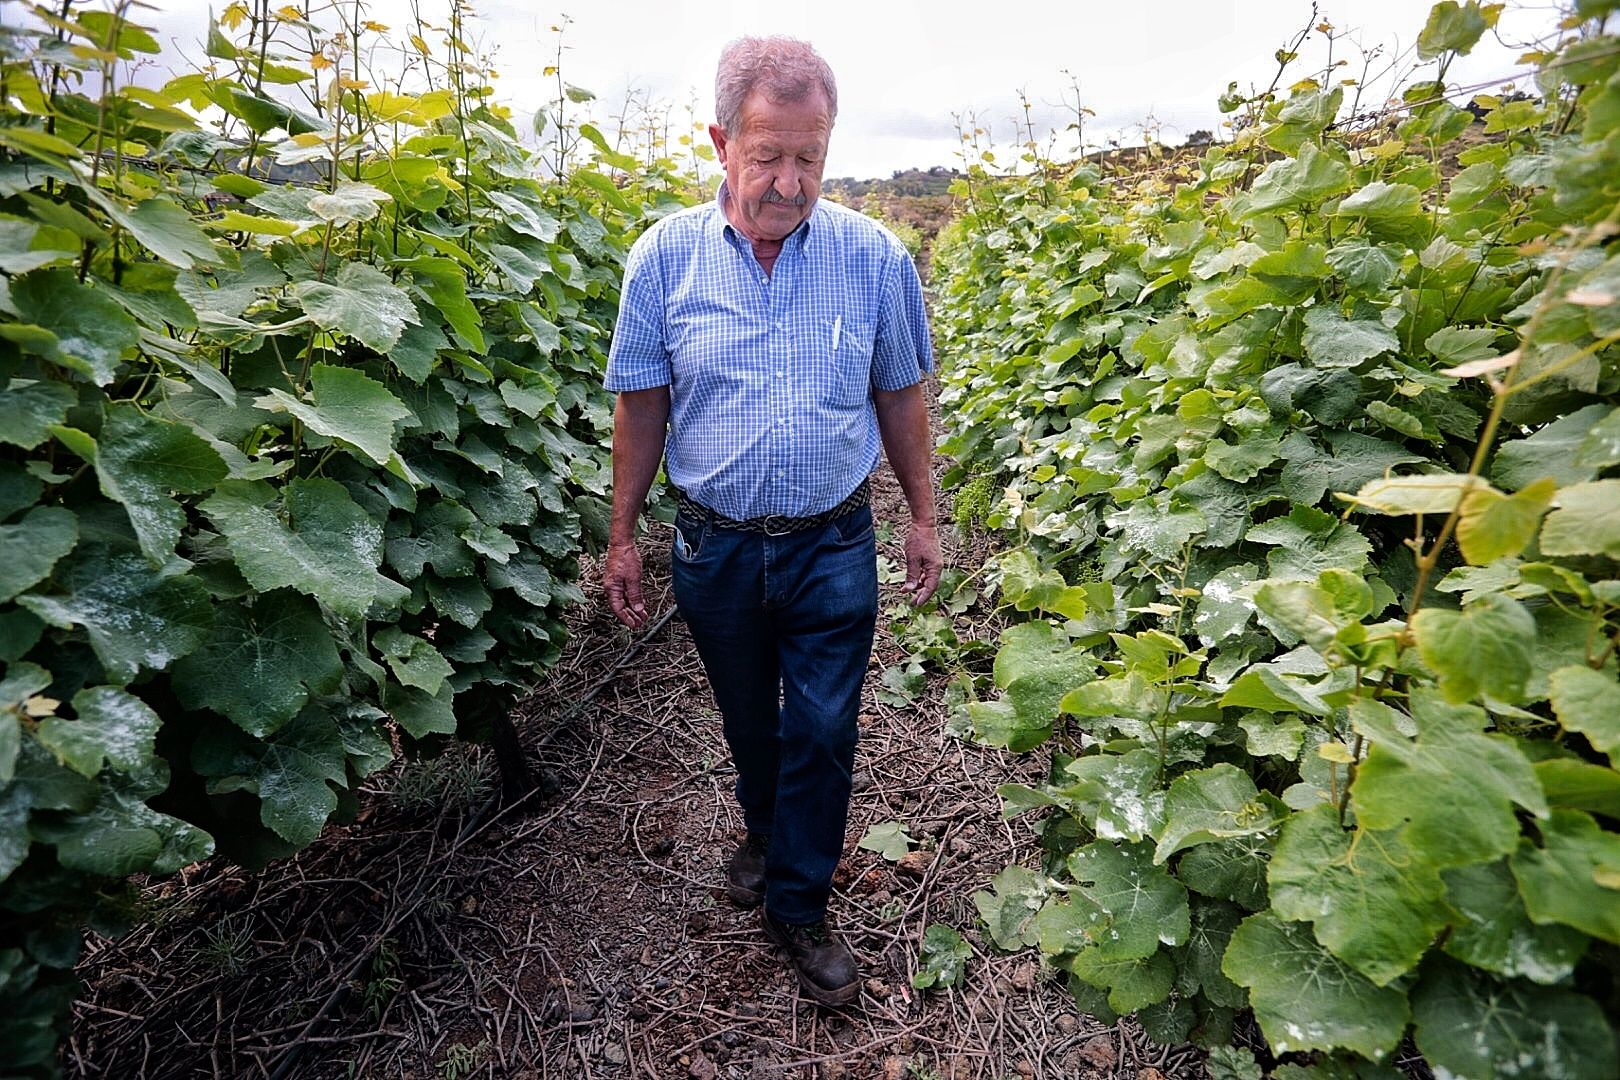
(1199, 138)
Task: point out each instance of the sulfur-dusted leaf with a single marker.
(1146, 905)
(111, 726)
(1601, 446)
(1452, 790)
(1586, 521)
(1307, 541)
(1374, 905)
(140, 461)
(360, 301)
(944, 957)
(1211, 804)
(1118, 795)
(1473, 1027)
(330, 549)
(33, 545)
(1571, 878)
(1496, 933)
(1380, 202)
(262, 662)
(1035, 667)
(1221, 612)
(28, 409)
(348, 203)
(1304, 997)
(135, 617)
(1483, 649)
(1427, 493)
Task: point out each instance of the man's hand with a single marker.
(621, 578)
(923, 563)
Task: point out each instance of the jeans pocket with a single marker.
(689, 536)
(853, 528)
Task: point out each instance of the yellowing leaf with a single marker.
(234, 15)
(421, 46)
(320, 62)
(289, 13)
(375, 26)
(236, 221)
(352, 84)
(1494, 525)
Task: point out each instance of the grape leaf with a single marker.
(133, 616)
(1551, 451)
(1571, 879)
(31, 547)
(330, 551)
(140, 460)
(1309, 178)
(1585, 522)
(1374, 905)
(348, 405)
(1473, 1027)
(262, 662)
(1146, 905)
(360, 301)
(1118, 795)
(1496, 933)
(111, 725)
(888, 838)
(1453, 788)
(1485, 648)
(1132, 982)
(28, 409)
(1008, 910)
(1332, 341)
(1588, 701)
(1211, 804)
(1304, 997)
(78, 326)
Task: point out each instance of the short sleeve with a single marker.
(902, 349)
(637, 359)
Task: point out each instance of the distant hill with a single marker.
(911, 182)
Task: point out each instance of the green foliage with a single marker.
(1336, 739)
(303, 433)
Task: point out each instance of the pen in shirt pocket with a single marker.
(838, 324)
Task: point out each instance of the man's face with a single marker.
(773, 163)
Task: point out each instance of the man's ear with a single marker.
(717, 135)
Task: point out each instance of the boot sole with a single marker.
(841, 995)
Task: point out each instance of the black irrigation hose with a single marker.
(289, 1059)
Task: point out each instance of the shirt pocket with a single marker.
(848, 382)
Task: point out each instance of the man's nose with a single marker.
(788, 181)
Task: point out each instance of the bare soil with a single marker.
(585, 932)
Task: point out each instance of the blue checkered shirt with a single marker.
(770, 377)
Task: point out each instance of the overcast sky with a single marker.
(906, 66)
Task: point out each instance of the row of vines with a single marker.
(301, 434)
(1306, 455)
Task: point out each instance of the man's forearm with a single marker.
(903, 422)
(640, 420)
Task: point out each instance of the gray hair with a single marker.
(786, 70)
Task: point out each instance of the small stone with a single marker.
(1067, 1024)
(894, 1068)
(831, 1070)
(878, 989)
(614, 1053)
(747, 1009)
(1023, 977)
(1023, 1067)
(914, 863)
(960, 845)
(931, 828)
(702, 1069)
(1099, 1051)
(1149, 1073)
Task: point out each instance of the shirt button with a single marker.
(779, 374)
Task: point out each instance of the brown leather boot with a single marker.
(824, 964)
(745, 873)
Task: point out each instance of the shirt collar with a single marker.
(799, 237)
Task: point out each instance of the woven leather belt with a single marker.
(776, 524)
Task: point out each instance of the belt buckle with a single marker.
(776, 525)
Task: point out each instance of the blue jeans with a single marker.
(784, 626)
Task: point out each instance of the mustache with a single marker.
(773, 196)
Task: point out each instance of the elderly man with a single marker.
(765, 343)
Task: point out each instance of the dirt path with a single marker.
(589, 936)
